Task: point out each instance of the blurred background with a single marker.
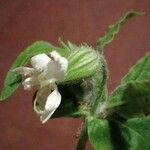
(25, 21)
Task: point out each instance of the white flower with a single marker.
(47, 69)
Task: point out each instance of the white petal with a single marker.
(53, 100)
(57, 67)
(29, 82)
(36, 109)
(25, 71)
(41, 96)
(47, 82)
(39, 62)
(52, 103)
(62, 61)
(46, 114)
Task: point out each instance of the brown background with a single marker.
(25, 21)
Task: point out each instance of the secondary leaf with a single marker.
(12, 80)
(131, 99)
(114, 29)
(140, 71)
(99, 135)
(136, 132)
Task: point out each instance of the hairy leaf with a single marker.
(131, 99)
(99, 135)
(140, 71)
(114, 29)
(136, 132)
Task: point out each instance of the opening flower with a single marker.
(46, 71)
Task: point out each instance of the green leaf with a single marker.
(114, 29)
(140, 71)
(12, 80)
(136, 132)
(131, 99)
(99, 134)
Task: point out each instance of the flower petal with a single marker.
(41, 97)
(57, 67)
(40, 62)
(52, 103)
(28, 83)
(25, 71)
(47, 82)
(61, 60)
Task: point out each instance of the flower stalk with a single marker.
(83, 137)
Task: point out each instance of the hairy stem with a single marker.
(102, 86)
(82, 138)
(83, 134)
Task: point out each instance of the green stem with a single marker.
(83, 135)
(83, 138)
(103, 84)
